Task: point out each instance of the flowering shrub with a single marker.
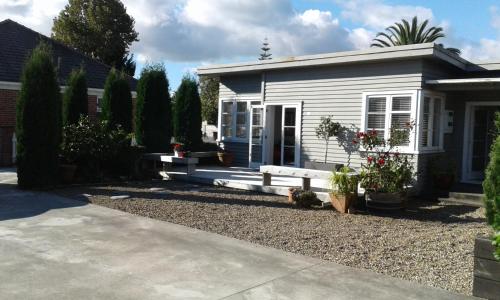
(385, 170)
(178, 147)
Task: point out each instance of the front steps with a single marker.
(471, 199)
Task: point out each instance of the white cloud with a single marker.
(375, 14)
(486, 48)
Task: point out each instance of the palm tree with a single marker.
(405, 34)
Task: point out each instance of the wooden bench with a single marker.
(169, 160)
(305, 174)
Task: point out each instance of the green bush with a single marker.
(209, 95)
(187, 117)
(75, 99)
(491, 186)
(117, 101)
(38, 121)
(153, 124)
(304, 199)
(96, 148)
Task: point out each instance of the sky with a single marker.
(186, 34)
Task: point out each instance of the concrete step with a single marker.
(467, 196)
(463, 201)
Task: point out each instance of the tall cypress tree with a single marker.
(38, 121)
(117, 101)
(187, 117)
(153, 127)
(75, 100)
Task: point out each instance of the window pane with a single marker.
(227, 107)
(256, 135)
(376, 121)
(400, 120)
(289, 136)
(402, 103)
(241, 119)
(425, 123)
(241, 131)
(436, 122)
(227, 119)
(288, 155)
(241, 106)
(290, 116)
(257, 119)
(376, 104)
(226, 131)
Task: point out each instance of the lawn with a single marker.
(429, 243)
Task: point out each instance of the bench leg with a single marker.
(266, 179)
(306, 183)
(191, 168)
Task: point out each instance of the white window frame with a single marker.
(235, 139)
(414, 94)
(98, 104)
(432, 95)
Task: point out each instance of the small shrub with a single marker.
(38, 121)
(304, 199)
(327, 129)
(343, 181)
(491, 185)
(75, 99)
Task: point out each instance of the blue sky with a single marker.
(184, 34)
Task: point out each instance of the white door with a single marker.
(256, 136)
(290, 136)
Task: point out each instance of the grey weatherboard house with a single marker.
(451, 100)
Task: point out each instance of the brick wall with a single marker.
(8, 122)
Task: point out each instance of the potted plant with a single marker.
(442, 169)
(179, 150)
(326, 129)
(225, 157)
(304, 198)
(344, 185)
(387, 174)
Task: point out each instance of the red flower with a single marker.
(370, 159)
(354, 141)
(177, 147)
(359, 135)
(381, 161)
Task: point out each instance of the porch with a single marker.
(247, 179)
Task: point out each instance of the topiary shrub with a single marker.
(187, 117)
(38, 121)
(153, 124)
(117, 101)
(75, 99)
(491, 186)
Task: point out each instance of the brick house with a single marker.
(16, 44)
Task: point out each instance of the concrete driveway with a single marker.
(57, 248)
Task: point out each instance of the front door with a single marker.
(256, 135)
(481, 138)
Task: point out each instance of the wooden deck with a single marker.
(249, 179)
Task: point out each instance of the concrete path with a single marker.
(57, 248)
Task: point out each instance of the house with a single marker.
(268, 110)
(16, 44)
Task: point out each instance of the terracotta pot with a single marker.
(226, 158)
(291, 190)
(385, 201)
(342, 202)
(67, 172)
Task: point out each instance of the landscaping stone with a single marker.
(119, 197)
(429, 243)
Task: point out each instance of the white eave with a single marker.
(464, 81)
(346, 57)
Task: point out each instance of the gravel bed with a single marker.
(429, 243)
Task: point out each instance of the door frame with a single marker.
(269, 129)
(251, 164)
(468, 137)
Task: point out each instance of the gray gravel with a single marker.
(430, 243)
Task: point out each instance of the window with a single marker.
(98, 105)
(384, 112)
(234, 119)
(431, 128)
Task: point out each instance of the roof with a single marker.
(465, 83)
(18, 41)
(427, 50)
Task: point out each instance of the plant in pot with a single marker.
(442, 169)
(304, 198)
(344, 185)
(225, 157)
(387, 174)
(326, 129)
